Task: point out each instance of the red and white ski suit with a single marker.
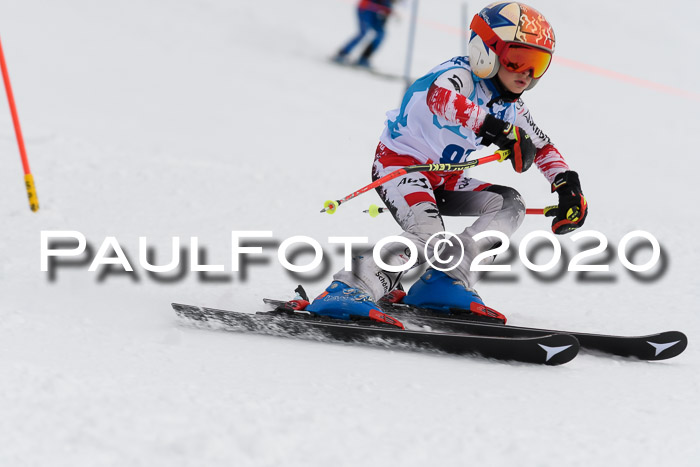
(438, 122)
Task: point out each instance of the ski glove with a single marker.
(572, 209)
(508, 136)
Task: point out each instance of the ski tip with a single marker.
(557, 349)
(665, 345)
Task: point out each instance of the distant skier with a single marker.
(372, 16)
(461, 105)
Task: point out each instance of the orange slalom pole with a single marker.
(28, 178)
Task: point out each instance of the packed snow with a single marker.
(197, 118)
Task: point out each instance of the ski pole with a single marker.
(330, 206)
(28, 178)
(375, 210)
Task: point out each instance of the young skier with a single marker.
(461, 105)
(372, 16)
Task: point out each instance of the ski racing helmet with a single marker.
(512, 35)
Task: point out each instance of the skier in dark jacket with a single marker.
(372, 16)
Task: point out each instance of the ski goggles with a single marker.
(516, 57)
(521, 59)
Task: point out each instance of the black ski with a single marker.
(554, 349)
(658, 346)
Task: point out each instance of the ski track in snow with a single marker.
(195, 118)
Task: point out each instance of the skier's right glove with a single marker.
(572, 209)
(508, 136)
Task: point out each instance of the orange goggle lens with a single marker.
(521, 59)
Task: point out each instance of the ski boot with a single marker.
(439, 292)
(363, 63)
(340, 301)
(340, 58)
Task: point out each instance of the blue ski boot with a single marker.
(439, 292)
(340, 301)
(363, 63)
(339, 58)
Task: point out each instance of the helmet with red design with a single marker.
(512, 35)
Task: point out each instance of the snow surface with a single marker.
(164, 118)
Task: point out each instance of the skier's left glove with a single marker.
(508, 136)
(572, 209)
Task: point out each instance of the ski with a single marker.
(554, 349)
(370, 70)
(657, 346)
